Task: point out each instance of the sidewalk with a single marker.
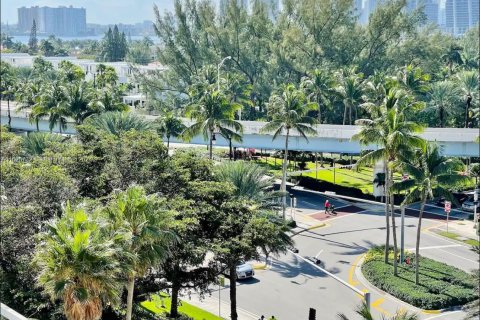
(211, 304)
(465, 229)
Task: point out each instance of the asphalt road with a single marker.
(291, 286)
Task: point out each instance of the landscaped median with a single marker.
(160, 305)
(441, 286)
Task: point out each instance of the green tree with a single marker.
(467, 82)
(147, 226)
(32, 41)
(169, 126)
(7, 86)
(213, 113)
(116, 123)
(319, 85)
(431, 174)
(47, 48)
(443, 96)
(350, 90)
(474, 172)
(114, 46)
(79, 101)
(78, 265)
(288, 112)
(35, 143)
(394, 135)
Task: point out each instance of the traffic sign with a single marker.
(448, 206)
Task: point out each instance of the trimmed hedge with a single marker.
(441, 286)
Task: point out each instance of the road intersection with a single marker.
(290, 286)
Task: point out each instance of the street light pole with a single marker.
(218, 71)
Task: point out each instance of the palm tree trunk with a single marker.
(168, 143)
(350, 114)
(467, 107)
(442, 117)
(284, 176)
(231, 149)
(319, 111)
(233, 292)
(211, 144)
(417, 245)
(9, 115)
(394, 231)
(174, 297)
(130, 287)
(387, 220)
(345, 114)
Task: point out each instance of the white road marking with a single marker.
(442, 315)
(438, 247)
(456, 255)
(316, 257)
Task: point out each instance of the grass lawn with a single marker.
(441, 286)
(155, 306)
(361, 179)
(454, 236)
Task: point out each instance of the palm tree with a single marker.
(364, 312)
(7, 85)
(350, 89)
(27, 95)
(413, 80)
(442, 96)
(35, 143)
(144, 221)
(77, 264)
(468, 85)
(79, 101)
(108, 100)
(288, 111)
(117, 123)
(452, 57)
(393, 134)
(250, 181)
(212, 113)
(319, 87)
(169, 125)
(431, 174)
(52, 102)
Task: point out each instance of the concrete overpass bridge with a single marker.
(457, 142)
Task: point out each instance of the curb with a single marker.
(372, 288)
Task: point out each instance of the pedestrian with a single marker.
(327, 205)
(272, 318)
(262, 317)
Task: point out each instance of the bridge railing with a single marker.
(10, 314)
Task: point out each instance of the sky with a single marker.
(98, 11)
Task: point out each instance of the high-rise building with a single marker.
(460, 15)
(430, 9)
(224, 5)
(62, 21)
(273, 8)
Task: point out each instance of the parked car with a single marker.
(245, 271)
(468, 205)
(461, 197)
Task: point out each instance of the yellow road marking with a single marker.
(376, 304)
(352, 271)
(431, 311)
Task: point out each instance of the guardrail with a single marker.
(10, 314)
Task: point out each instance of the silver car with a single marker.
(245, 271)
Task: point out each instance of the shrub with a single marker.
(441, 286)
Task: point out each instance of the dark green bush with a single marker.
(441, 286)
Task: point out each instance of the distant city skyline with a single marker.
(98, 11)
